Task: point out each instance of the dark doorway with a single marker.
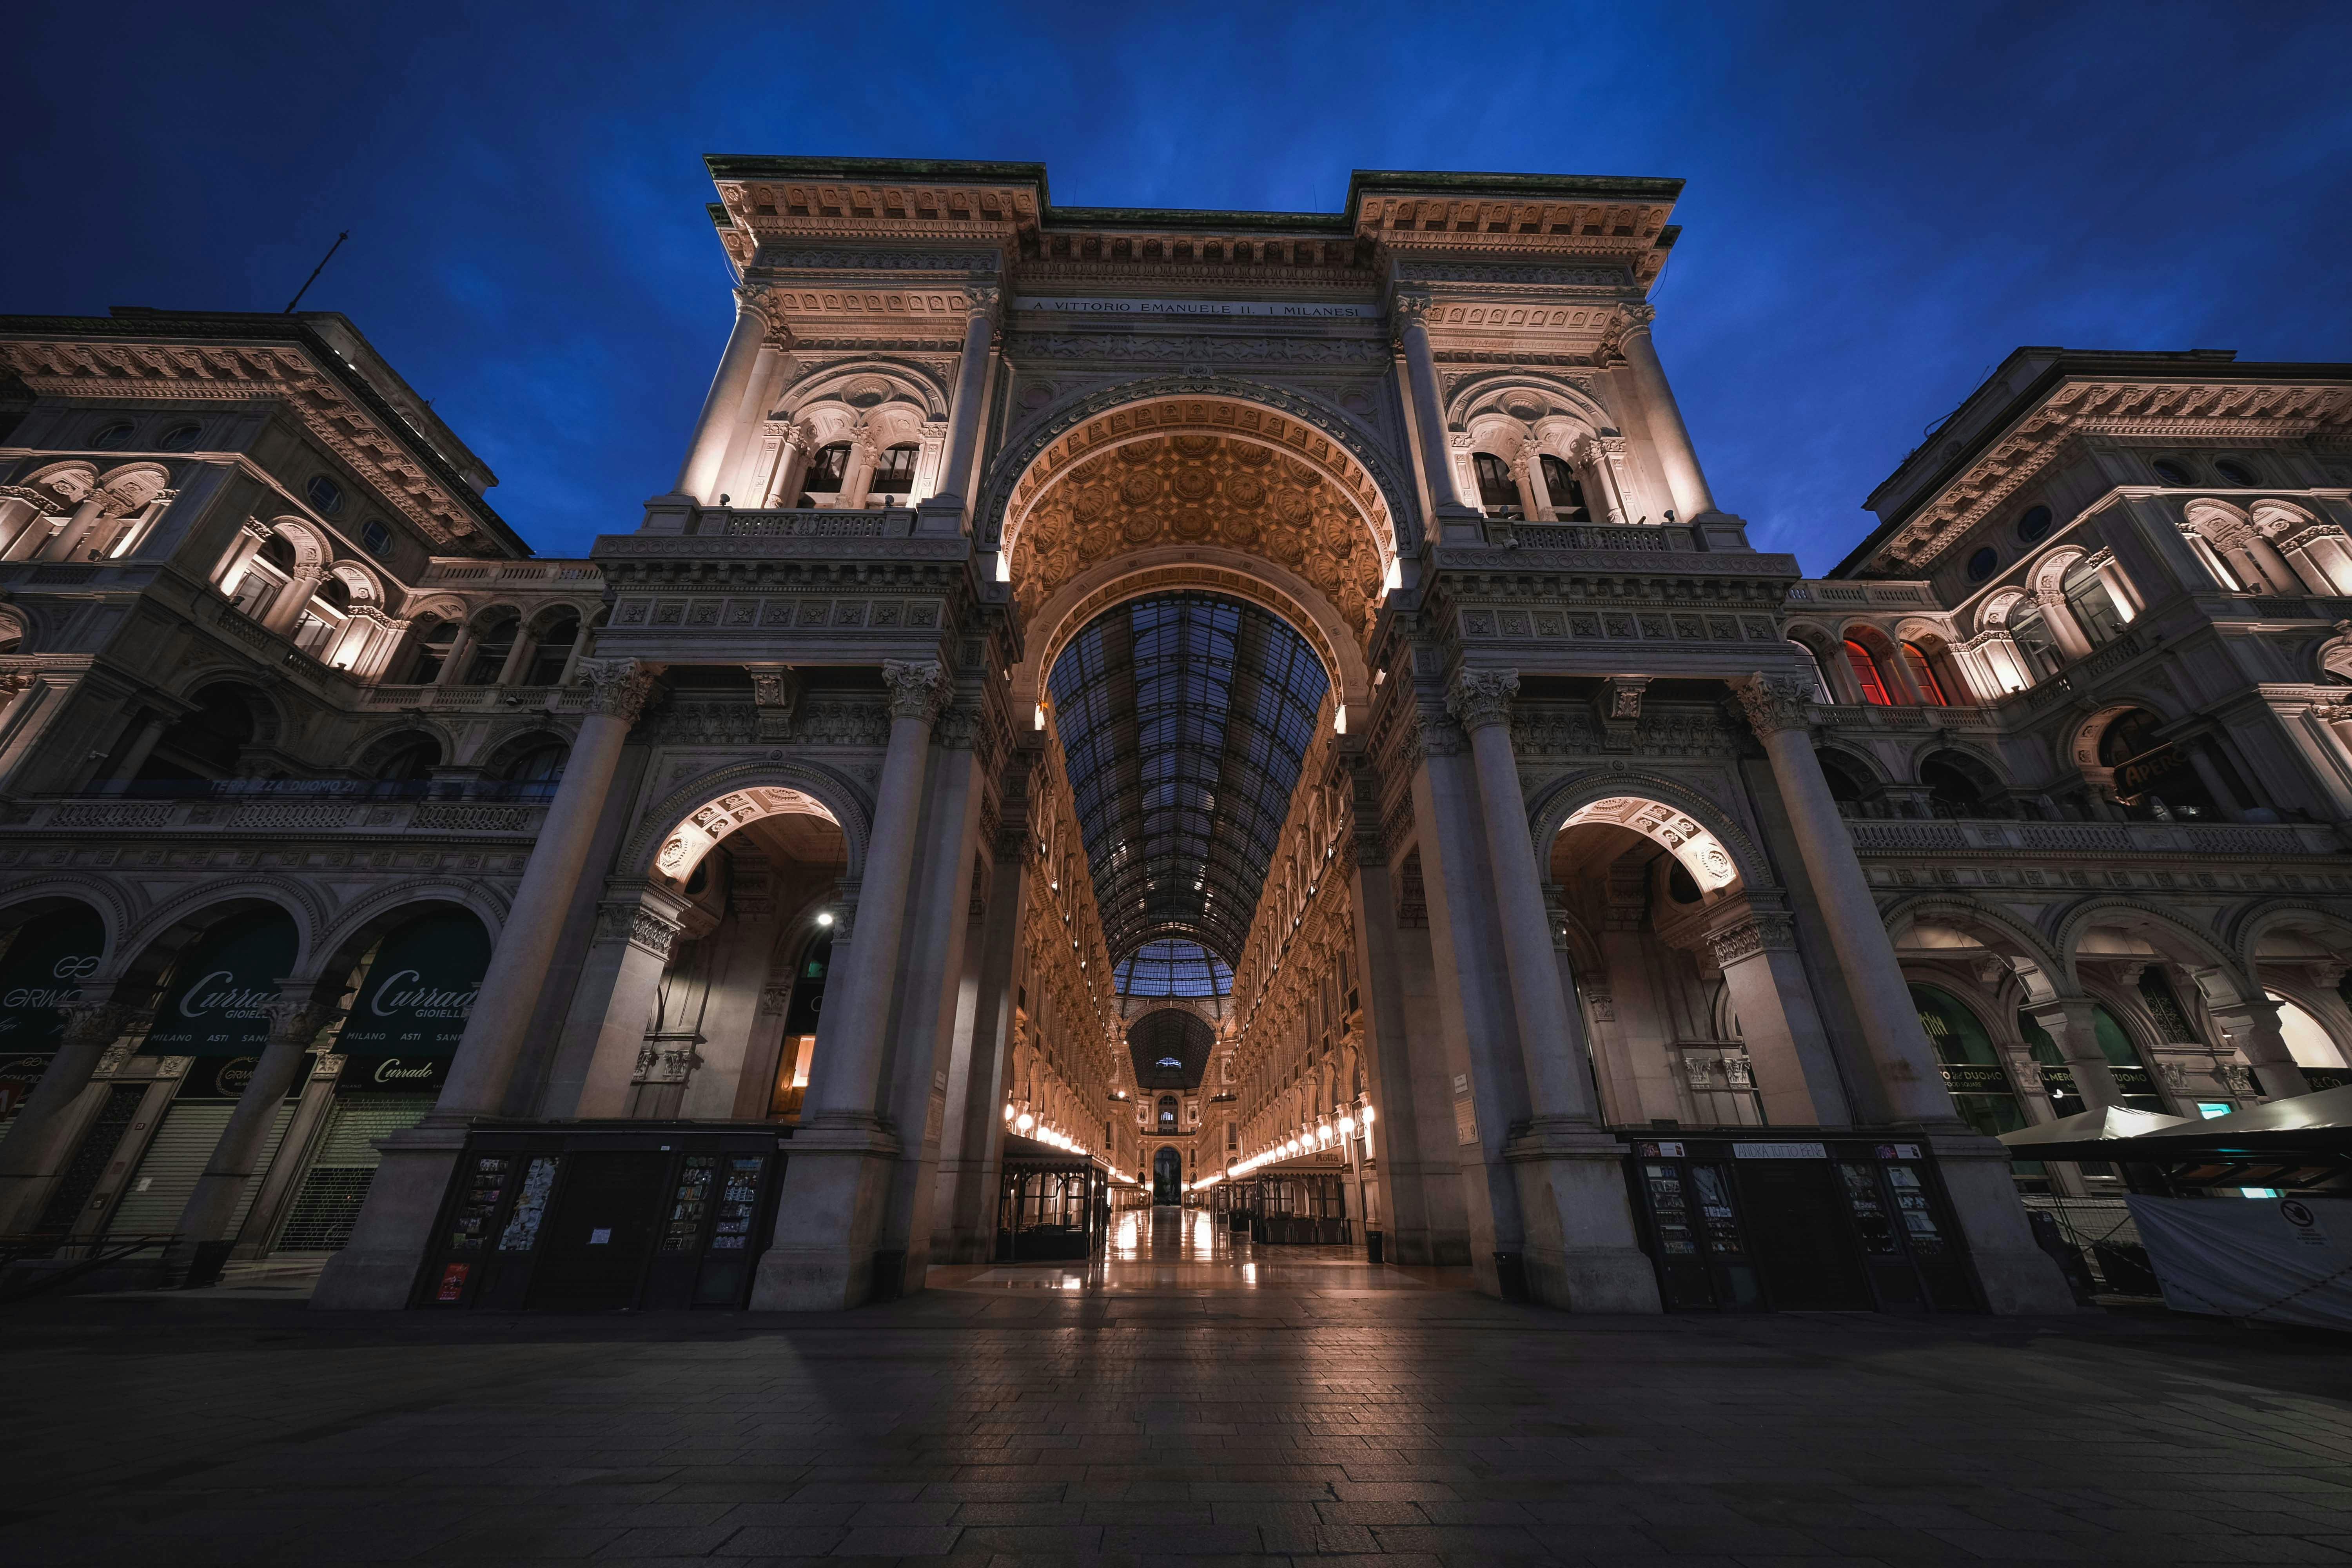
(597, 1245)
(1804, 1246)
(1167, 1177)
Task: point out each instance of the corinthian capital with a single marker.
(1771, 703)
(100, 1021)
(917, 688)
(301, 1020)
(987, 301)
(617, 688)
(1481, 697)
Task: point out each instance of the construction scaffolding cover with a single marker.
(2278, 1260)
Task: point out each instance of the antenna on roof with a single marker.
(316, 270)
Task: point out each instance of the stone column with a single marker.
(2253, 1029)
(707, 449)
(2059, 616)
(971, 389)
(2198, 749)
(2016, 1275)
(20, 513)
(66, 542)
(1599, 459)
(1581, 1248)
(460, 654)
(1409, 313)
(40, 1140)
(939, 916)
(968, 1183)
(2072, 1025)
(838, 1176)
(296, 1021)
(142, 747)
(1796, 1074)
(642, 932)
(1669, 436)
(378, 1265)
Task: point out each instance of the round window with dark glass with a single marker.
(2171, 472)
(1982, 564)
(376, 539)
(181, 439)
(111, 437)
(325, 494)
(2237, 473)
(2034, 525)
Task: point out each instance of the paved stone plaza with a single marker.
(1186, 1402)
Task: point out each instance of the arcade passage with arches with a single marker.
(1252, 735)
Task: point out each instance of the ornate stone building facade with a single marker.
(1209, 693)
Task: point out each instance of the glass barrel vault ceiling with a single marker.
(1174, 967)
(1184, 719)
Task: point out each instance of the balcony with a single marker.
(1969, 836)
(230, 816)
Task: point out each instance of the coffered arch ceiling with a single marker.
(1195, 487)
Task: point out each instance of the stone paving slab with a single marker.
(977, 1426)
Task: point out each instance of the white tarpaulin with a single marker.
(2282, 1260)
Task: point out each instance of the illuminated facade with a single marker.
(1226, 696)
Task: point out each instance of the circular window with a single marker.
(2171, 472)
(325, 494)
(1982, 564)
(376, 539)
(2035, 524)
(2237, 473)
(181, 439)
(112, 437)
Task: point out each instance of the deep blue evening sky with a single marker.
(1883, 200)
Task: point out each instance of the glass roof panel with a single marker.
(1174, 967)
(1184, 720)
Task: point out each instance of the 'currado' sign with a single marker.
(217, 1002)
(410, 1008)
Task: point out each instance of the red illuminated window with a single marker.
(1866, 674)
(1923, 675)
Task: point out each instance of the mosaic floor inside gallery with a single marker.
(1189, 1400)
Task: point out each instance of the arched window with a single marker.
(1566, 490)
(2098, 609)
(493, 645)
(827, 468)
(2032, 635)
(553, 651)
(1923, 675)
(539, 759)
(2156, 780)
(1866, 675)
(205, 743)
(405, 759)
(894, 471)
(1497, 491)
(430, 640)
(1827, 693)
(2211, 558)
(2133, 1081)
(1980, 1090)
(322, 620)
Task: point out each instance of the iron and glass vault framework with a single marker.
(1184, 720)
(1303, 647)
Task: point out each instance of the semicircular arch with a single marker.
(2042, 972)
(1695, 829)
(2160, 928)
(758, 789)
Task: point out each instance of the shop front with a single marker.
(415, 991)
(1798, 1225)
(43, 963)
(1053, 1207)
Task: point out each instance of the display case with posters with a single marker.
(586, 1216)
(1790, 1222)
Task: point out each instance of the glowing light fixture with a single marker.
(825, 919)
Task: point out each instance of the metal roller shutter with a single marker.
(182, 1147)
(320, 1217)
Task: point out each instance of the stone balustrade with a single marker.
(84, 816)
(1970, 835)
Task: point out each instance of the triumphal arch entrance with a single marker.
(1254, 714)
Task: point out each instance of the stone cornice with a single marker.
(72, 357)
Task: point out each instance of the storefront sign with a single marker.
(1778, 1151)
(415, 997)
(219, 1078)
(392, 1074)
(1294, 310)
(41, 974)
(1974, 1078)
(218, 1002)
